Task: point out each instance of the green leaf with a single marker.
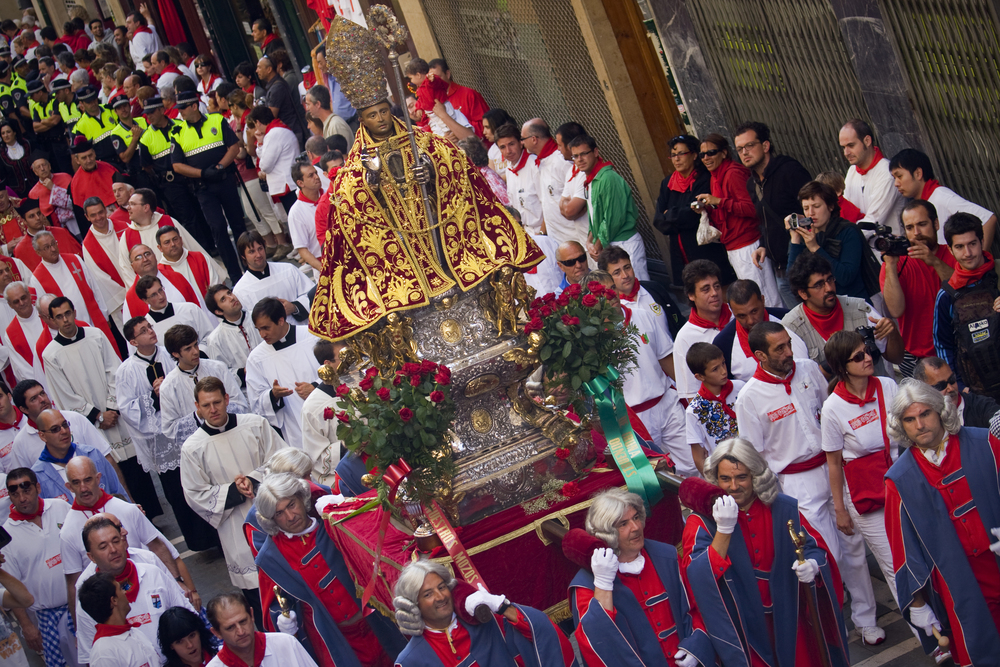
(584, 374)
(577, 382)
(567, 350)
(588, 331)
(545, 353)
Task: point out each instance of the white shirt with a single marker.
(857, 430)
(288, 365)
(129, 649)
(645, 301)
(646, 380)
(283, 282)
(166, 80)
(280, 650)
(141, 44)
(743, 366)
(547, 276)
(231, 343)
(134, 392)
(34, 558)
(174, 295)
(7, 436)
(784, 428)
(69, 288)
(875, 194)
(177, 399)
(28, 445)
(141, 532)
(687, 384)
(439, 127)
(576, 188)
(947, 203)
(275, 155)
(552, 173)
(184, 313)
(319, 435)
(705, 429)
(26, 369)
(302, 226)
(216, 273)
(499, 164)
(522, 190)
(112, 293)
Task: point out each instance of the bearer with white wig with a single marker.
(426, 596)
(630, 603)
(298, 556)
(741, 565)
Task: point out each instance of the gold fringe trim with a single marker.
(559, 612)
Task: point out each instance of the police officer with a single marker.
(7, 104)
(96, 123)
(175, 191)
(204, 149)
(66, 102)
(19, 90)
(49, 126)
(125, 136)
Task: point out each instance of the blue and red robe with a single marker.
(644, 630)
(751, 601)
(952, 556)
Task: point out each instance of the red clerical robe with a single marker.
(97, 183)
(470, 103)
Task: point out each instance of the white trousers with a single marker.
(266, 221)
(665, 423)
(742, 263)
(812, 490)
(636, 250)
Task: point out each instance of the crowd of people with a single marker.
(835, 375)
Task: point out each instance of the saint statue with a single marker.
(385, 251)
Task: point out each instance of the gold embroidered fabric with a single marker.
(379, 259)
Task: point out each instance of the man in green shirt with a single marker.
(613, 214)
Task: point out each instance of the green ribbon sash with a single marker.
(635, 467)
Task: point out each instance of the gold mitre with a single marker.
(355, 60)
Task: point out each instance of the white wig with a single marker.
(608, 509)
(407, 593)
(275, 488)
(738, 450)
(913, 391)
(290, 459)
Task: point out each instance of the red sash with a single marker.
(134, 238)
(76, 270)
(19, 341)
(805, 466)
(865, 475)
(9, 261)
(137, 307)
(100, 256)
(199, 269)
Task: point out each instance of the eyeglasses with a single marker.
(819, 284)
(580, 155)
(711, 153)
(573, 262)
(944, 384)
(745, 148)
(673, 155)
(23, 486)
(56, 429)
(859, 357)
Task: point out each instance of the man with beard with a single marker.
(910, 283)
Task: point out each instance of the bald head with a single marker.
(46, 419)
(43, 303)
(84, 481)
(143, 260)
(573, 253)
(80, 466)
(535, 135)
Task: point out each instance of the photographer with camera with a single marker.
(823, 232)
(911, 278)
(822, 313)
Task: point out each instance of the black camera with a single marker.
(885, 241)
(800, 221)
(868, 333)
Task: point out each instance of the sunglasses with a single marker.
(943, 384)
(859, 357)
(573, 262)
(23, 486)
(56, 429)
(711, 153)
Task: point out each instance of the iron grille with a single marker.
(951, 54)
(529, 57)
(783, 62)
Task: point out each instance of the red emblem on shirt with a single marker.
(141, 619)
(55, 560)
(864, 420)
(6, 450)
(781, 412)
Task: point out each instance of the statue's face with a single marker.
(377, 119)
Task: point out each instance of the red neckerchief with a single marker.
(249, 91)
(548, 149)
(929, 188)
(141, 29)
(573, 173)
(842, 391)
(721, 398)
(743, 336)
(129, 580)
(96, 507)
(634, 294)
(679, 183)
(243, 117)
(699, 321)
(212, 78)
(273, 124)
(302, 197)
(171, 68)
(32, 424)
(596, 170)
(764, 376)
(514, 168)
(826, 325)
(961, 277)
(17, 420)
(875, 160)
(105, 630)
(316, 160)
(267, 40)
(230, 659)
(17, 516)
(190, 60)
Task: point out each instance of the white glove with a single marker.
(685, 659)
(482, 596)
(924, 618)
(288, 624)
(332, 499)
(725, 512)
(995, 547)
(806, 571)
(604, 565)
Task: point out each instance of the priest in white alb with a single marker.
(235, 337)
(66, 275)
(174, 284)
(281, 370)
(21, 334)
(144, 222)
(12, 421)
(164, 314)
(8, 274)
(279, 280)
(319, 430)
(221, 465)
(100, 254)
(200, 270)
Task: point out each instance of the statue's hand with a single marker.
(422, 173)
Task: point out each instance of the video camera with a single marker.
(885, 241)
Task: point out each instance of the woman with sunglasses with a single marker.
(859, 449)
(208, 78)
(677, 220)
(732, 212)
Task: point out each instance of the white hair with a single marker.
(79, 76)
(608, 509)
(37, 238)
(407, 593)
(14, 284)
(738, 450)
(275, 488)
(290, 459)
(913, 391)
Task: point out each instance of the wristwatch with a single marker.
(100, 418)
